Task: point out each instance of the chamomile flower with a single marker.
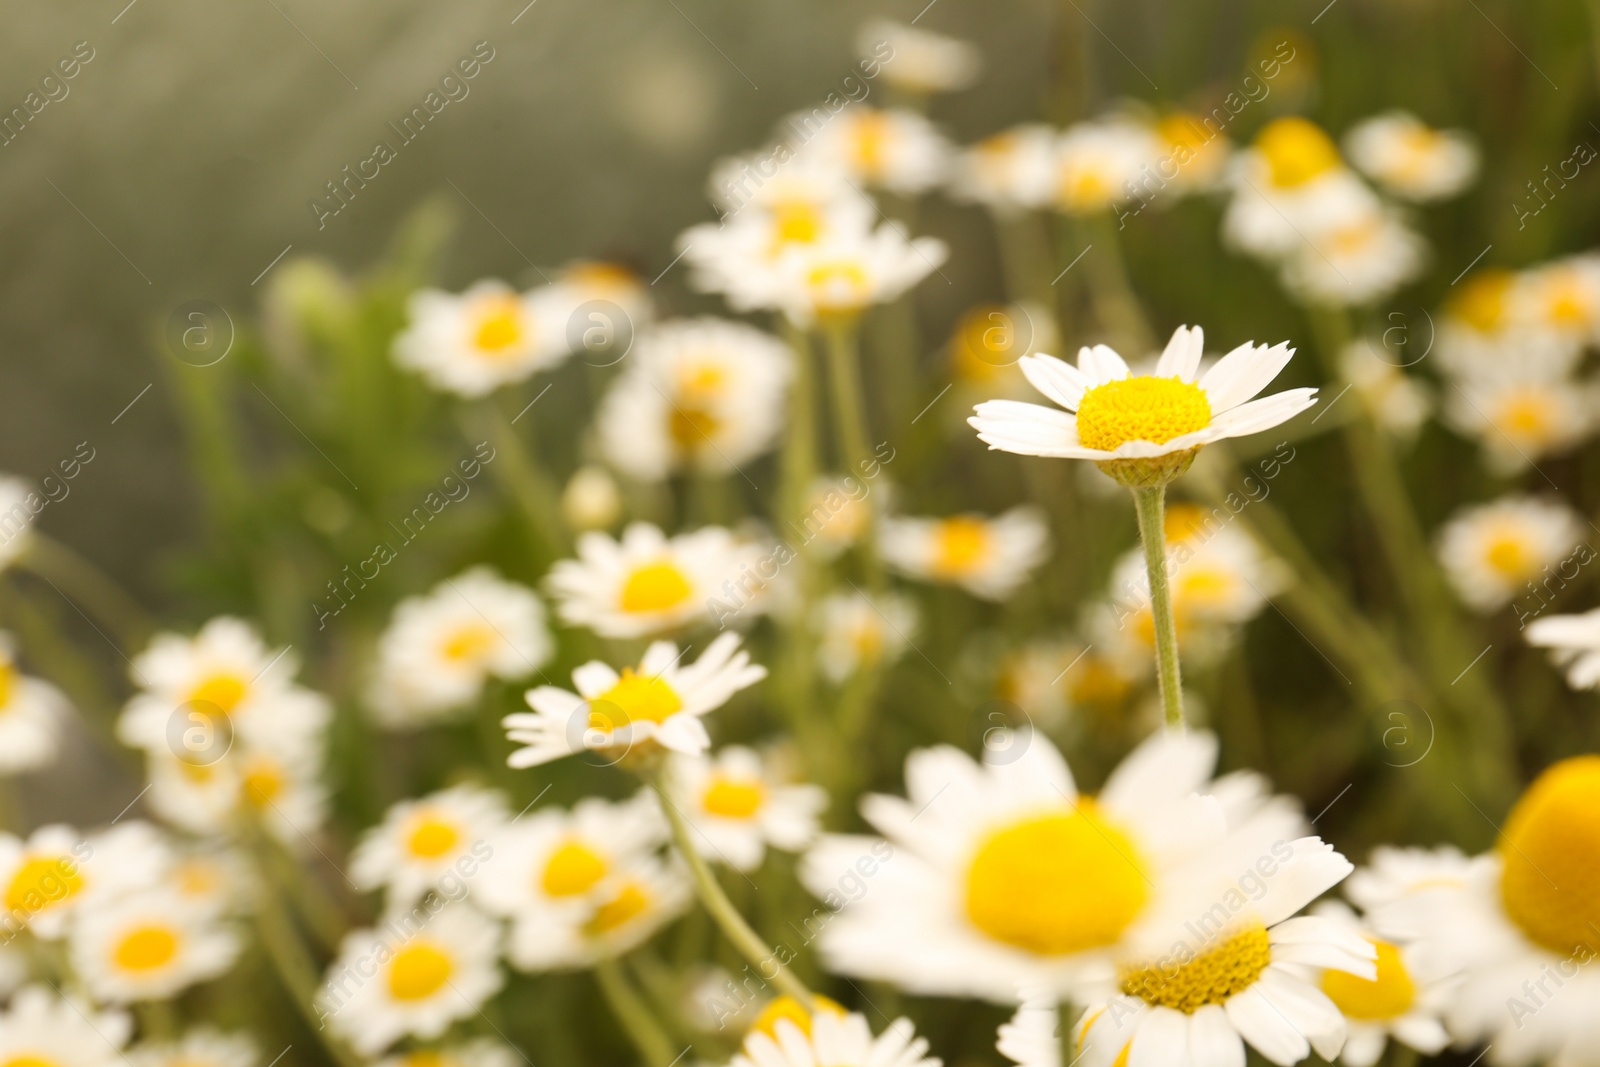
(1002, 875)
(1355, 261)
(838, 513)
(646, 583)
(1050, 676)
(200, 1047)
(19, 503)
(1521, 411)
(1574, 644)
(988, 557)
(1194, 158)
(1010, 171)
(41, 1029)
(836, 280)
(58, 873)
(1398, 401)
(490, 335)
(1395, 876)
(622, 913)
(989, 340)
(918, 60)
(738, 806)
(594, 284)
(31, 715)
(887, 148)
(1410, 158)
(794, 1038)
(411, 980)
(700, 394)
(277, 783)
(148, 946)
(441, 649)
(1113, 417)
(1217, 573)
(1289, 183)
(856, 631)
(1031, 1037)
(419, 841)
(1099, 164)
(211, 881)
(659, 703)
(479, 1052)
(1492, 550)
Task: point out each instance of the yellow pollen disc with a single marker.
(225, 691)
(1566, 303)
(1385, 997)
(572, 869)
(196, 878)
(598, 274)
(27, 1059)
(42, 881)
(867, 640)
(1184, 521)
(469, 643)
(1296, 151)
(1213, 976)
(630, 902)
(985, 343)
(796, 222)
(635, 698)
(1084, 188)
(732, 798)
(840, 286)
(146, 949)
(8, 681)
(431, 837)
(1509, 554)
(871, 142)
(1056, 884)
(655, 586)
(262, 783)
(1182, 130)
(499, 325)
(1526, 413)
(705, 379)
(1204, 588)
(1353, 239)
(1145, 408)
(1550, 882)
(419, 971)
(786, 1007)
(1097, 682)
(960, 544)
(1481, 303)
(691, 427)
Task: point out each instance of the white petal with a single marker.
(1213, 1042)
(1243, 373)
(1030, 430)
(1265, 1027)
(1182, 355)
(1161, 1041)
(1263, 414)
(1056, 379)
(1101, 364)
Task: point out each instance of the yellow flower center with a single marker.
(225, 690)
(1184, 521)
(656, 586)
(1481, 303)
(146, 948)
(1084, 188)
(691, 427)
(1213, 976)
(1201, 587)
(469, 643)
(1296, 151)
(1357, 237)
(796, 222)
(1097, 682)
(431, 837)
(1057, 883)
(419, 971)
(8, 681)
(840, 286)
(960, 544)
(424, 1058)
(42, 881)
(867, 640)
(985, 343)
(1566, 301)
(1388, 995)
(263, 782)
(630, 901)
(499, 325)
(1527, 413)
(870, 142)
(635, 698)
(786, 1007)
(598, 274)
(28, 1059)
(196, 877)
(1509, 554)
(572, 869)
(1550, 882)
(1183, 130)
(733, 798)
(1145, 408)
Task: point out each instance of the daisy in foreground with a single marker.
(786, 1036)
(659, 703)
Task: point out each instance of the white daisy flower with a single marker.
(201, 1047)
(440, 650)
(1195, 155)
(1398, 401)
(480, 1052)
(490, 335)
(1574, 643)
(658, 703)
(1356, 261)
(1394, 876)
(148, 946)
(212, 881)
(591, 500)
(1100, 164)
(1031, 1038)
(918, 60)
(31, 715)
(1010, 171)
(738, 806)
(411, 980)
(1112, 415)
(888, 148)
(624, 910)
(1001, 876)
(855, 631)
(275, 782)
(422, 840)
(597, 282)
(1521, 411)
(988, 557)
(19, 503)
(1561, 298)
(1410, 158)
(58, 872)
(646, 583)
(1050, 676)
(1490, 551)
(1291, 182)
(700, 394)
(41, 1028)
(842, 277)
(832, 1037)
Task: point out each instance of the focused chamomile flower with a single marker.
(1144, 427)
(411, 980)
(1002, 876)
(655, 705)
(738, 806)
(1491, 551)
(856, 631)
(490, 335)
(19, 503)
(200, 1047)
(1099, 164)
(702, 395)
(148, 945)
(421, 841)
(32, 712)
(918, 60)
(886, 148)
(791, 1037)
(442, 648)
(646, 583)
(478, 1052)
(1520, 411)
(988, 557)
(1398, 401)
(836, 280)
(39, 1028)
(1008, 172)
(59, 873)
(1289, 183)
(1402, 1001)
(1355, 261)
(1410, 158)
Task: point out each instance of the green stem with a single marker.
(747, 941)
(82, 582)
(1150, 506)
(634, 1014)
(799, 460)
(850, 423)
(521, 472)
